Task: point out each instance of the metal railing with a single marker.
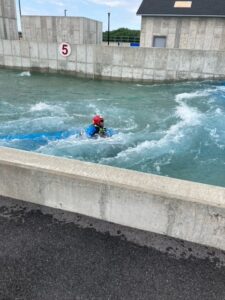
(121, 39)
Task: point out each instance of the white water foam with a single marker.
(25, 74)
(197, 94)
(220, 88)
(41, 106)
(188, 116)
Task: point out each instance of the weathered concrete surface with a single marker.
(114, 63)
(203, 33)
(180, 209)
(8, 22)
(43, 257)
(48, 29)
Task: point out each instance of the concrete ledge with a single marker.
(181, 209)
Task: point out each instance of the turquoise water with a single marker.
(175, 130)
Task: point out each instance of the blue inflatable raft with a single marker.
(50, 136)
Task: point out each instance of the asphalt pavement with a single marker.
(42, 258)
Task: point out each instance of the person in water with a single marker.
(97, 127)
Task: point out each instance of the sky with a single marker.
(122, 12)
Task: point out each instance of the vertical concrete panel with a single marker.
(53, 65)
(173, 61)
(8, 24)
(25, 62)
(99, 32)
(117, 59)
(164, 26)
(73, 55)
(17, 61)
(52, 51)
(2, 33)
(143, 31)
(81, 31)
(185, 60)
(44, 29)
(128, 57)
(210, 63)
(210, 24)
(34, 52)
(81, 53)
(1, 47)
(53, 33)
(43, 50)
(149, 58)
(161, 56)
(218, 32)
(197, 61)
(172, 25)
(149, 32)
(220, 67)
(7, 47)
(90, 54)
(8, 61)
(157, 26)
(16, 48)
(25, 48)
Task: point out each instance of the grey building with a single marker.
(8, 20)
(196, 24)
(76, 30)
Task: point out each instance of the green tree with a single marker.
(122, 35)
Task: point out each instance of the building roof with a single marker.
(197, 8)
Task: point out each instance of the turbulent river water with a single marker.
(175, 130)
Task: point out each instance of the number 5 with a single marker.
(65, 50)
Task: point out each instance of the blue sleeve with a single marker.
(90, 131)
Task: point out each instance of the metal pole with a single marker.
(65, 10)
(108, 26)
(20, 8)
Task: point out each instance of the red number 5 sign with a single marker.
(65, 49)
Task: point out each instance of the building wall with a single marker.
(75, 30)
(185, 32)
(8, 20)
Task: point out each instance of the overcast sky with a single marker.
(122, 12)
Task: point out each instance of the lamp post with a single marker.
(108, 26)
(19, 8)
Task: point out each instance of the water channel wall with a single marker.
(116, 63)
(180, 209)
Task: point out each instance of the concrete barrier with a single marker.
(114, 63)
(181, 209)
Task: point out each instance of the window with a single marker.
(159, 41)
(183, 4)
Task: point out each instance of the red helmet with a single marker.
(97, 120)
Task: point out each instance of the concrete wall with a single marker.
(8, 22)
(75, 30)
(185, 33)
(120, 63)
(180, 209)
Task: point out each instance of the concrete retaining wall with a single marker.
(117, 63)
(8, 22)
(47, 29)
(181, 209)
